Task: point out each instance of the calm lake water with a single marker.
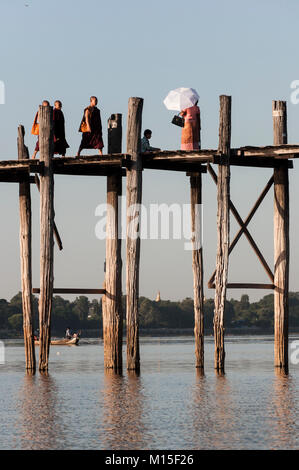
(168, 406)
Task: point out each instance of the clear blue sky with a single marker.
(70, 49)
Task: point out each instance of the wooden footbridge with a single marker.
(131, 164)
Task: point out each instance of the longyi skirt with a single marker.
(190, 136)
(91, 140)
(60, 147)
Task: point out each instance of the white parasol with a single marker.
(181, 98)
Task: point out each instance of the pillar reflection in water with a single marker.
(122, 426)
(214, 413)
(282, 409)
(38, 425)
(201, 419)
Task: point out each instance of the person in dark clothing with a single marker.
(60, 143)
(91, 128)
(44, 103)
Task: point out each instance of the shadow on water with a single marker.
(122, 424)
(38, 424)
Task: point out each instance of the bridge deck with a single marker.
(174, 160)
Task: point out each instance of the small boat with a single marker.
(61, 342)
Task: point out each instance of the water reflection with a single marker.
(38, 424)
(214, 413)
(201, 419)
(123, 409)
(171, 405)
(282, 409)
(225, 413)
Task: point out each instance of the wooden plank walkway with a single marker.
(169, 160)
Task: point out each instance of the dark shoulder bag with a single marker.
(178, 120)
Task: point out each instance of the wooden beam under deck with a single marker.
(87, 171)
(67, 290)
(245, 285)
(255, 162)
(89, 166)
(17, 178)
(177, 166)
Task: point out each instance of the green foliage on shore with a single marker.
(85, 314)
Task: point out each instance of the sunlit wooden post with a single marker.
(46, 233)
(281, 241)
(26, 257)
(197, 267)
(112, 302)
(223, 224)
(134, 196)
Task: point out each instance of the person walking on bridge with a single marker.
(60, 143)
(91, 128)
(35, 129)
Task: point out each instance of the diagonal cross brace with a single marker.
(243, 225)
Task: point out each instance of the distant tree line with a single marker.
(85, 314)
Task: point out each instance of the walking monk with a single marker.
(60, 143)
(35, 128)
(91, 128)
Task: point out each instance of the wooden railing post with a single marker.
(134, 196)
(112, 305)
(46, 233)
(26, 257)
(223, 224)
(197, 267)
(281, 241)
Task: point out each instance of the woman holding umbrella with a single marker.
(185, 100)
(191, 130)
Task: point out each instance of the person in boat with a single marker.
(60, 143)
(91, 128)
(36, 150)
(68, 333)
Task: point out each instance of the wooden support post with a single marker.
(134, 196)
(197, 266)
(223, 198)
(112, 304)
(26, 258)
(281, 241)
(46, 233)
(56, 233)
